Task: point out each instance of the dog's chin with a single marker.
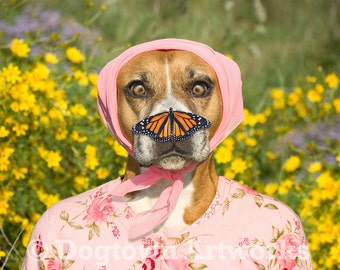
(172, 162)
(169, 155)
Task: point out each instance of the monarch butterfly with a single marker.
(171, 126)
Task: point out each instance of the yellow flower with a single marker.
(314, 96)
(45, 120)
(278, 98)
(52, 158)
(229, 174)
(3, 132)
(315, 242)
(5, 153)
(292, 164)
(261, 118)
(47, 199)
(314, 167)
(271, 188)
(94, 92)
(27, 234)
(277, 93)
(20, 129)
(332, 80)
(81, 77)
(74, 55)
(223, 154)
(61, 134)
(315, 195)
(251, 142)
(51, 58)
(90, 149)
(285, 186)
(109, 140)
(306, 207)
(320, 88)
(20, 48)
(328, 186)
(229, 143)
(301, 109)
(81, 183)
(121, 171)
(335, 253)
(19, 219)
(102, 173)
(327, 229)
(336, 104)
(11, 73)
(249, 119)
(78, 110)
(91, 160)
(238, 165)
(41, 71)
(325, 179)
(119, 150)
(293, 98)
(34, 217)
(2, 254)
(55, 114)
(37, 79)
(20, 173)
(77, 137)
(93, 78)
(15, 107)
(5, 196)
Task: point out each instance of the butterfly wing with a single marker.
(186, 124)
(172, 125)
(157, 127)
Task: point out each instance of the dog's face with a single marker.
(153, 82)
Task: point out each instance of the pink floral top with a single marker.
(242, 229)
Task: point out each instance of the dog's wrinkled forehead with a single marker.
(226, 70)
(166, 77)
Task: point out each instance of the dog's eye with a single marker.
(136, 89)
(201, 89)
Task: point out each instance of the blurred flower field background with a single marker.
(53, 144)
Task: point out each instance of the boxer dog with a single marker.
(151, 83)
(169, 103)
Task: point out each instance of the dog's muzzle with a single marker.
(171, 139)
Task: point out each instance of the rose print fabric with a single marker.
(242, 229)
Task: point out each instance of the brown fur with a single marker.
(205, 182)
(183, 67)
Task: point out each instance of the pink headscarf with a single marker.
(227, 72)
(229, 79)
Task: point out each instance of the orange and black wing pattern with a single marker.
(171, 126)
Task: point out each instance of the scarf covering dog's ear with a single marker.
(227, 71)
(229, 79)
